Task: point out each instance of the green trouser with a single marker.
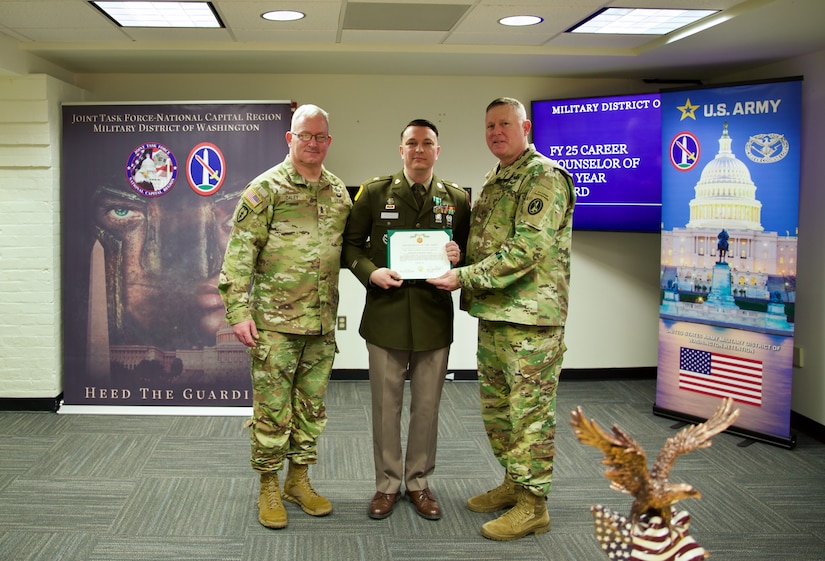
(290, 374)
(518, 371)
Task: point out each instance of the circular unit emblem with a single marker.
(205, 169)
(535, 206)
(152, 169)
(684, 151)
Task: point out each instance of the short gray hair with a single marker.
(308, 111)
(517, 106)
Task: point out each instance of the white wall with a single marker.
(613, 299)
(30, 329)
(614, 295)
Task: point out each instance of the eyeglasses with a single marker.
(306, 137)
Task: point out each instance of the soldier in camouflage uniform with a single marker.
(516, 283)
(286, 244)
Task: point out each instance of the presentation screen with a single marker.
(612, 148)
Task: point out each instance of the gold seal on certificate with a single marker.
(418, 254)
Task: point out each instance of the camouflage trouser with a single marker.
(518, 370)
(289, 379)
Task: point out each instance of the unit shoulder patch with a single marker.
(537, 202)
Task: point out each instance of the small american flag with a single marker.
(721, 375)
(648, 540)
(252, 197)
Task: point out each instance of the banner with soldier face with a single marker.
(147, 196)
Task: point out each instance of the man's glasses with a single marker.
(306, 137)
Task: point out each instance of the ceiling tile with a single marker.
(406, 17)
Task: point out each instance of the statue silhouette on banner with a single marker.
(722, 245)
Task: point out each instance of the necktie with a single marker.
(418, 192)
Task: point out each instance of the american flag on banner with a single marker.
(721, 375)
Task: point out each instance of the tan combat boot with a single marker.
(298, 490)
(503, 496)
(529, 516)
(271, 511)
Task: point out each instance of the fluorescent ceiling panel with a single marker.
(639, 21)
(161, 14)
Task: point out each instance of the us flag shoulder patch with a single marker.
(254, 198)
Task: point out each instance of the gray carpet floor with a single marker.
(139, 488)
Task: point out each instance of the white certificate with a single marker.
(418, 254)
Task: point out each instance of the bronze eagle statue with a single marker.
(627, 462)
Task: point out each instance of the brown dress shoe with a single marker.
(382, 504)
(425, 504)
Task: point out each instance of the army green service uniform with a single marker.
(286, 244)
(407, 326)
(516, 283)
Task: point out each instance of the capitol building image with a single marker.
(757, 273)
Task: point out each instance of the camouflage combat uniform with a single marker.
(517, 285)
(286, 243)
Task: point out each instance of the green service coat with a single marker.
(415, 316)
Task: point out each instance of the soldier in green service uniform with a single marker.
(516, 282)
(407, 324)
(279, 283)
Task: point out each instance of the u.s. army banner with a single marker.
(730, 211)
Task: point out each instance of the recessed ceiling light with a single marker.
(283, 15)
(639, 21)
(520, 21)
(161, 14)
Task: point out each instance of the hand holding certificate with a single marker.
(418, 254)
